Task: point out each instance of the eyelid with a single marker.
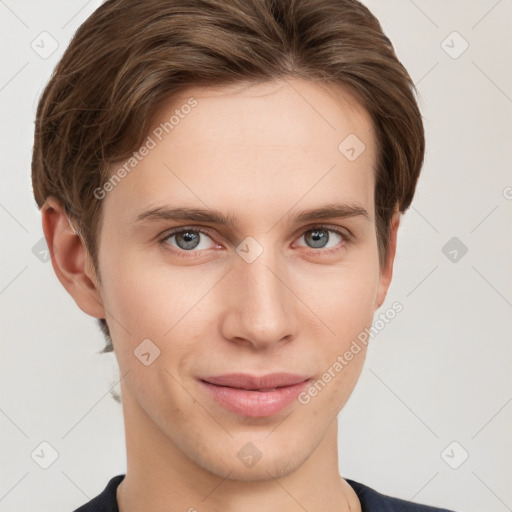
(180, 229)
(301, 231)
(345, 232)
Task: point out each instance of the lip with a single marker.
(254, 396)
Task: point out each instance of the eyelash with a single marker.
(191, 254)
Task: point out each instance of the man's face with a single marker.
(267, 293)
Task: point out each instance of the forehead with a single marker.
(256, 145)
(292, 114)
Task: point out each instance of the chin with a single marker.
(263, 470)
(250, 461)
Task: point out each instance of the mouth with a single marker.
(253, 396)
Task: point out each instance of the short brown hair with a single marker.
(130, 56)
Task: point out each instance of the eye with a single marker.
(325, 237)
(190, 242)
(187, 240)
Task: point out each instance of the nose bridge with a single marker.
(262, 307)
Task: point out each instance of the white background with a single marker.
(440, 372)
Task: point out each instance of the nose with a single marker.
(261, 311)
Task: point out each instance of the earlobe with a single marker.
(386, 272)
(70, 259)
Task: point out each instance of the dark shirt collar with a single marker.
(371, 500)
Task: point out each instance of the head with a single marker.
(259, 112)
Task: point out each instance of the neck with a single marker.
(160, 476)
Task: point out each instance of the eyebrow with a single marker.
(331, 211)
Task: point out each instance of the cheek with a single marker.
(151, 301)
(345, 305)
(148, 299)
(343, 298)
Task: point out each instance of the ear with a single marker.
(70, 259)
(386, 272)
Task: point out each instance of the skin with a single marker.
(262, 154)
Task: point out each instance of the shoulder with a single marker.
(106, 501)
(373, 501)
